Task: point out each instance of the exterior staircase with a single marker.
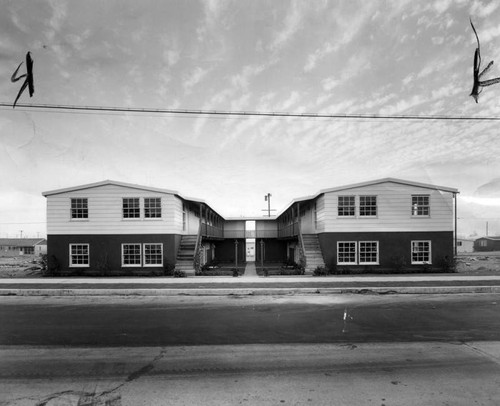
(313, 253)
(185, 254)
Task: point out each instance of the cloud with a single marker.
(59, 13)
(292, 24)
(195, 77)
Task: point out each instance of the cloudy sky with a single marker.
(327, 57)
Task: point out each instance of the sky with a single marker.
(391, 58)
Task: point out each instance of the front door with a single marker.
(250, 245)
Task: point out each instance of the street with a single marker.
(331, 350)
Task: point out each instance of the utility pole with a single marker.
(267, 198)
(21, 233)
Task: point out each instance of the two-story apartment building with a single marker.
(115, 228)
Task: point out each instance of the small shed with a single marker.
(487, 244)
(464, 245)
(22, 246)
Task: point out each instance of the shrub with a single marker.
(235, 272)
(52, 267)
(320, 271)
(265, 272)
(448, 264)
(179, 274)
(168, 267)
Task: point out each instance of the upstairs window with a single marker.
(346, 206)
(420, 205)
(131, 208)
(367, 206)
(152, 207)
(79, 208)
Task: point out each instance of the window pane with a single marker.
(131, 254)
(131, 208)
(368, 252)
(153, 254)
(79, 254)
(420, 205)
(421, 252)
(346, 206)
(346, 252)
(368, 205)
(152, 207)
(79, 208)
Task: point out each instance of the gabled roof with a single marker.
(22, 242)
(369, 183)
(493, 238)
(122, 184)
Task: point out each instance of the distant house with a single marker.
(119, 228)
(487, 244)
(464, 245)
(22, 246)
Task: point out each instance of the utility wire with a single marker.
(229, 113)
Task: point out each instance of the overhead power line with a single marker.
(229, 113)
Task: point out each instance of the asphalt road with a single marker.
(171, 321)
(298, 350)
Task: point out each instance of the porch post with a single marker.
(236, 254)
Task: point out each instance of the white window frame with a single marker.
(413, 244)
(149, 217)
(123, 255)
(145, 264)
(377, 252)
(76, 199)
(71, 255)
(355, 253)
(345, 207)
(483, 243)
(123, 208)
(369, 207)
(415, 207)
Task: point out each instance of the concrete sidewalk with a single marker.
(279, 285)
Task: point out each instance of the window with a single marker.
(483, 243)
(346, 252)
(131, 208)
(346, 207)
(79, 255)
(315, 215)
(420, 205)
(368, 252)
(184, 218)
(367, 205)
(152, 207)
(153, 254)
(420, 252)
(79, 208)
(131, 254)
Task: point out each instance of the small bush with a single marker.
(168, 267)
(265, 272)
(320, 271)
(448, 264)
(235, 272)
(179, 274)
(52, 267)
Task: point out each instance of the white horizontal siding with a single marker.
(393, 210)
(321, 214)
(105, 213)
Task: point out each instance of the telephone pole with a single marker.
(267, 198)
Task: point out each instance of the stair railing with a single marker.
(302, 250)
(197, 253)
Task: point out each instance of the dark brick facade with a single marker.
(105, 253)
(392, 245)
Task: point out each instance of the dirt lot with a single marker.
(477, 263)
(26, 266)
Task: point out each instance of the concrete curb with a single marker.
(253, 292)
